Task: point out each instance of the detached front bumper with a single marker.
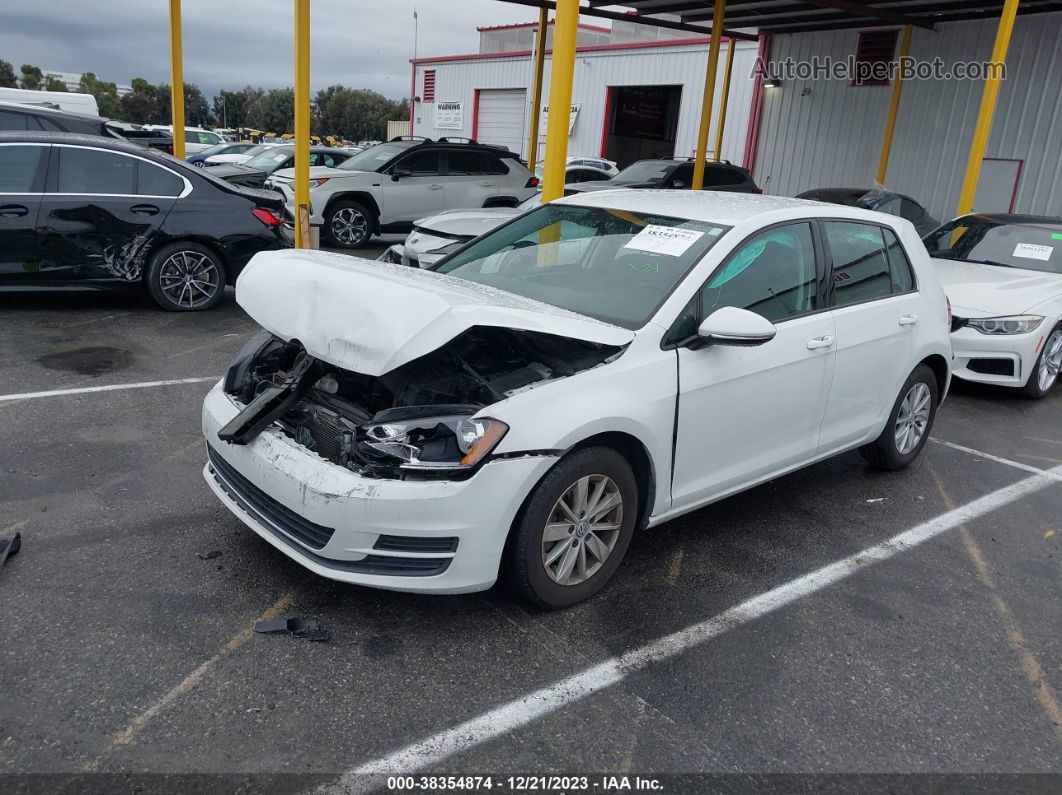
(1004, 359)
(412, 535)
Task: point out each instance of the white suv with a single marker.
(389, 186)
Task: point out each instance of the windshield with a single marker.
(1034, 245)
(271, 159)
(614, 265)
(375, 156)
(644, 171)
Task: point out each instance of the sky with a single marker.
(230, 43)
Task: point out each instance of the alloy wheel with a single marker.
(349, 226)
(913, 418)
(582, 530)
(1050, 361)
(189, 279)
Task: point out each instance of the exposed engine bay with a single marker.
(414, 421)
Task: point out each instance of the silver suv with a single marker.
(389, 186)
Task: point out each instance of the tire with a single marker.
(527, 551)
(891, 450)
(1045, 372)
(348, 224)
(179, 276)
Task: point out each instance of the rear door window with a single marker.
(95, 171)
(19, 166)
(153, 180)
(12, 121)
(465, 164)
(899, 265)
(860, 262)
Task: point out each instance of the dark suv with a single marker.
(36, 118)
(674, 174)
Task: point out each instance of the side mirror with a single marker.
(399, 172)
(732, 326)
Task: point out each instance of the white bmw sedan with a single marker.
(1003, 274)
(593, 367)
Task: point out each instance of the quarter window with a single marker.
(860, 262)
(18, 168)
(155, 181)
(771, 274)
(95, 171)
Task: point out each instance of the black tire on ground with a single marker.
(884, 452)
(185, 277)
(349, 224)
(525, 566)
(1032, 388)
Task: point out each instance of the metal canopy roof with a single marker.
(787, 16)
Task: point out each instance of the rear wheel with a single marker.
(910, 422)
(349, 224)
(1045, 372)
(185, 277)
(574, 530)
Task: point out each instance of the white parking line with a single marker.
(526, 709)
(112, 388)
(990, 457)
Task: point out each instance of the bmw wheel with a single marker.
(574, 530)
(349, 225)
(185, 277)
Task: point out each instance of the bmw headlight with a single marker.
(1018, 324)
(416, 440)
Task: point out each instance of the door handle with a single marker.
(435, 187)
(144, 209)
(820, 342)
(13, 211)
(908, 320)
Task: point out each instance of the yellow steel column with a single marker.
(894, 107)
(723, 102)
(302, 123)
(565, 30)
(176, 79)
(536, 90)
(988, 107)
(709, 95)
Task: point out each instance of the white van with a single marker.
(74, 103)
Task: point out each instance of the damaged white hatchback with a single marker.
(596, 366)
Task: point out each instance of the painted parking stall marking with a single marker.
(110, 388)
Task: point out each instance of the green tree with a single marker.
(52, 83)
(106, 95)
(196, 109)
(32, 77)
(274, 111)
(139, 106)
(230, 107)
(7, 75)
(356, 114)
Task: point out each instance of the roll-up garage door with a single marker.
(501, 118)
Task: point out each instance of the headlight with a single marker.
(316, 183)
(441, 442)
(1018, 324)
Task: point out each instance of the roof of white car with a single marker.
(711, 206)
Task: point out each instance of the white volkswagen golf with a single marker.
(594, 367)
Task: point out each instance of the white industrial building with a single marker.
(637, 93)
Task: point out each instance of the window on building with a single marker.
(429, 86)
(874, 53)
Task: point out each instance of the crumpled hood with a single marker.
(316, 172)
(995, 290)
(371, 317)
(470, 223)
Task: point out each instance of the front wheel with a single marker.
(185, 277)
(1045, 371)
(574, 530)
(348, 225)
(910, 422)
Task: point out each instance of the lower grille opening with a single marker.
(411, 544)
(992, 366)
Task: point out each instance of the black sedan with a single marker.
(255, 171)
(85, 212)
(883, 201)
(673, 174)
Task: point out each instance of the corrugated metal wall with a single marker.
(831, 136)
(594, 71)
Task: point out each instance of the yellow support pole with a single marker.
(565, 30)
(894, 107)
(723, 103)
(536, 90)
(988, 107)
(709, 95)
(302, 123)
(176, 79)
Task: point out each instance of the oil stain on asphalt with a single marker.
(92, 361)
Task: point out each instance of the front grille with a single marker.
(991, 366)
(411, 544)
(265, 508)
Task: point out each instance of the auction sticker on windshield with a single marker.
(1031, 251)
(669, 240)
